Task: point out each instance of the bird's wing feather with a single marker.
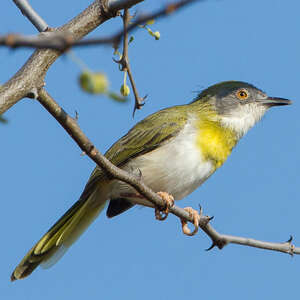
(144, 137)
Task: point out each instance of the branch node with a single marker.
(33, 94)
(291, 250)
(139, 103)
(106, 10)
(10, 40)
(204, 220)
(220, 243)
(93, 151)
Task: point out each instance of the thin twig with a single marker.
(31, 75)
(219, 240)
(32, 15)
(65, 40)
(121, 4)
(124, 62)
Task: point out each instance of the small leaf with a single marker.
(150, 22)
(116, 97)
(130, 39)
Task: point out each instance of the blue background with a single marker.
(255, 194)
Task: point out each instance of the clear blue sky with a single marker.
(133, 256)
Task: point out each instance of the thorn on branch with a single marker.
(76, 116)
(289, 241)
(220, 243)
(213, 245)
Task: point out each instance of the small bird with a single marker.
(173, 150)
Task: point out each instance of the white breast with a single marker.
(176, 168)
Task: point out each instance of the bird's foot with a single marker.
(161, 215)
(196, 219)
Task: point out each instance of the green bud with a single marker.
(156, 34)
(150, 22)
(125, 90)
(130, 40)
(93, 83)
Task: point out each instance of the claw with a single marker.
(196, 217)
(161, 215)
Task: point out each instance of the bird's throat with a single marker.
(215, 141)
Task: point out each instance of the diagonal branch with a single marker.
(32, 15)
(219, 240)
(31, 76)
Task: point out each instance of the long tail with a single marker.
(51, 247)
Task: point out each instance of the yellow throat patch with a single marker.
(215, 141)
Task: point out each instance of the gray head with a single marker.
(239, 105)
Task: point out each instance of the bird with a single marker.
(173, 150)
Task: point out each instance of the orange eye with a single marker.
(242, 94)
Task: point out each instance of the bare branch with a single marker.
(124, 62)
(121, 4)
(32, 15)
(65, 40)
(31, 76)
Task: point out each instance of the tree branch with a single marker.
(32, 15)
(124, 62)
(114, 5)
(31, 76)
(64, 40)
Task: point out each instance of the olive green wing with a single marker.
(144, 137)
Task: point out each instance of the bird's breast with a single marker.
(177, 167)
(214, 141)
(182, 163)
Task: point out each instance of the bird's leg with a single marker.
(196, 218)
(169, 202)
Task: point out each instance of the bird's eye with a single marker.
(242, 94)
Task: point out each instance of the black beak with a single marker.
(274, 101)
